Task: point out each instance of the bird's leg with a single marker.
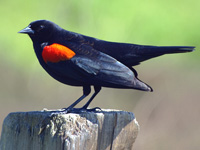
(96, 91)
(86, 92)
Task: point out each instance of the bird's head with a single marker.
(40, 30)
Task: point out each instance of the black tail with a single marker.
(147, 52)
(161, 50)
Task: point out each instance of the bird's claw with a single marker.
(80, 110)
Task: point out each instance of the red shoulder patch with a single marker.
(56, 52)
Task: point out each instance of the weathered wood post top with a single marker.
(40, 130)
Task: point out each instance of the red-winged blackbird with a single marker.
(80, 60)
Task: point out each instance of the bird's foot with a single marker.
(80, 110)
(74, 110)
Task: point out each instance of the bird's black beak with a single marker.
(27, 30)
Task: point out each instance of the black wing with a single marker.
(96, 68)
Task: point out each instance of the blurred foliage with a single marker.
(175, 78)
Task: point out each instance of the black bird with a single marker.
(80, 60)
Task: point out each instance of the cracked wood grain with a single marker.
(40, 130)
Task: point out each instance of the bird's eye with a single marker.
(40, 28)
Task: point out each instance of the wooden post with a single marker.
(40, 130)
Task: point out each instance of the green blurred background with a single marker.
(169, 117)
